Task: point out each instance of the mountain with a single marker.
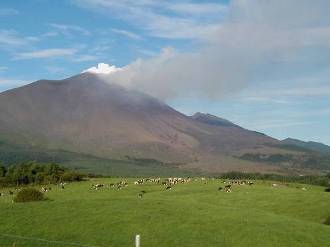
(86, 115)
(212, 120)
(314, 146)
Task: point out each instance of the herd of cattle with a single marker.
(228, 186)
(167, 183)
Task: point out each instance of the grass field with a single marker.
(192, 214)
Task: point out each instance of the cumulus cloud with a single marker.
(256, 40)
(102, 68)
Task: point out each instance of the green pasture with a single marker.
(192, 214)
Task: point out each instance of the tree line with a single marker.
(36, 173)
(321, 180)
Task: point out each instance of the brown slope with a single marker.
(85, 114)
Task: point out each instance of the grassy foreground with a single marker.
(192, 214)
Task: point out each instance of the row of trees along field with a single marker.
(322, 180)
(36, 173)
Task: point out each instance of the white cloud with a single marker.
(126, 33)
(46, 53)
(11, 38)
(69, 30)
(184, 20)
(102, 68)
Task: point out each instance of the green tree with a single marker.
(2, 171)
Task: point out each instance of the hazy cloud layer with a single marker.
(68, 30)
(258, 40)
(171, 19)
(46, 53)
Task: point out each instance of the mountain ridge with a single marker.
(311, 145)
(85, 114)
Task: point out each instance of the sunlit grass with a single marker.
(192, 214)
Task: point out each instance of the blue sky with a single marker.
(263, 65)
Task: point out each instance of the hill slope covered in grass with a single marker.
(11, 154)
(314, 146)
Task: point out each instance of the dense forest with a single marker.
(36, 173)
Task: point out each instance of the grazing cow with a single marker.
(327, 189)
(62, 185)
(168, 188)
(140, 195)
(97, 186)
(228, 188)
(122, 184)
(43, 189)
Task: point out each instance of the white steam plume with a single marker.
(259, 40)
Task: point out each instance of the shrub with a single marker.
(29, 195)
(327, 189)
(327, 221)
(71, 177)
